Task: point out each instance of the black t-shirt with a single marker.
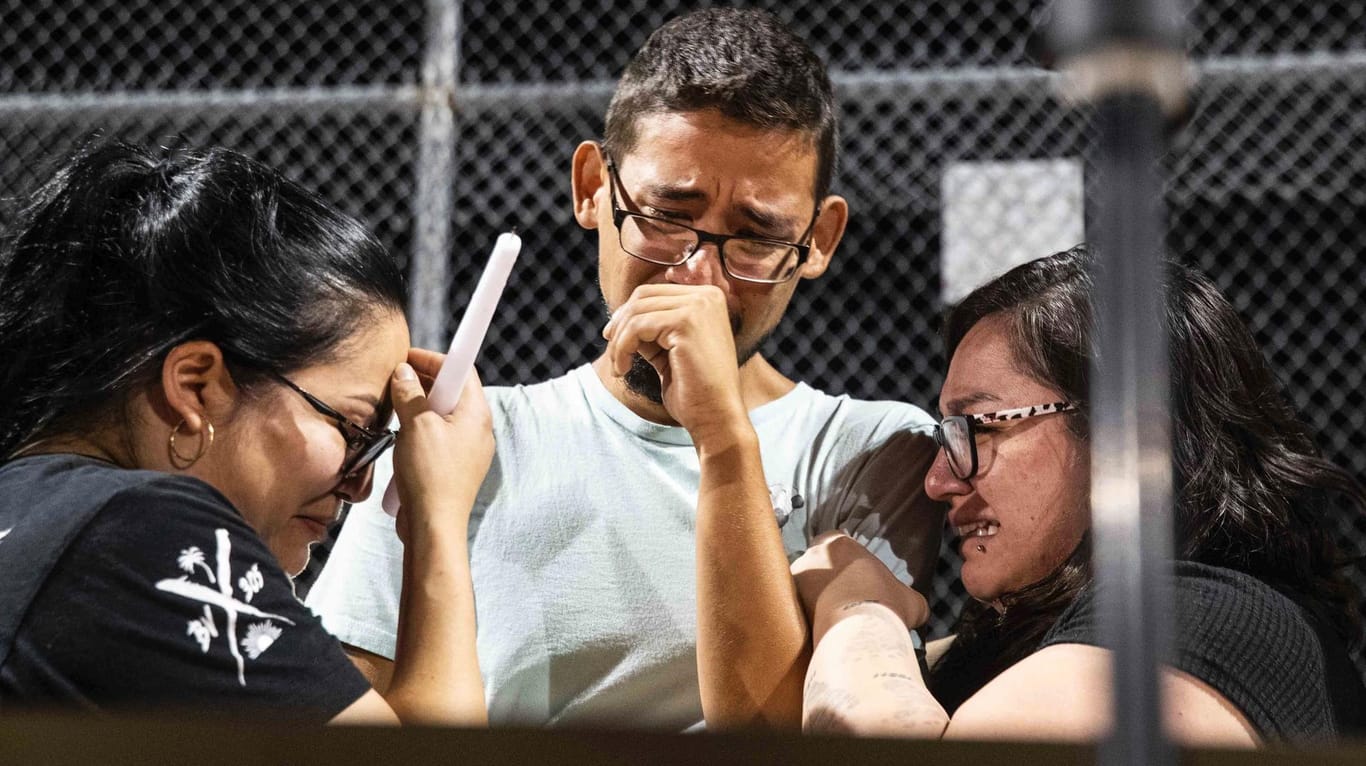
(1253, 645)
(123, 590)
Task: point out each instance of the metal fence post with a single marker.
(1127, 60)
(428, 271)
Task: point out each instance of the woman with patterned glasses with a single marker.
(201, 358)
(1264, 615)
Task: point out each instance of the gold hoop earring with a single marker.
(180, 461)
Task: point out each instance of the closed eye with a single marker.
(353, 436)
(672, 215)
(762, 236)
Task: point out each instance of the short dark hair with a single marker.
(744, 63)
(1252, 492)
(122, 255)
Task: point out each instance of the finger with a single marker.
(640, 305)
(406, 392)
(427, 364)
(625, 344)
(668, 289)
(652, 328)
(472, 402)
(620, 350)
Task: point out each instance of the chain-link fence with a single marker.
(1267, 190)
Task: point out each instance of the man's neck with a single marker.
(760, 383)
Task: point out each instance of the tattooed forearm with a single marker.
(863, 679)
(827, 708)
(880, 645)
(822, 720)
(916, 712)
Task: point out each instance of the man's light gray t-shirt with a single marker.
(582, 542)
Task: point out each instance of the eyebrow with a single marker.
(369, 399)
(769, 221)
(957, 406)
(764, 219)
(376, 407)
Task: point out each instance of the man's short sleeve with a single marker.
(168, 599)
(877, 494)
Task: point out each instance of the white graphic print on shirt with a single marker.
(260, 635)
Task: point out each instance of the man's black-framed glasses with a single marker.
(665, 242)
(363, 445)
(957, 434)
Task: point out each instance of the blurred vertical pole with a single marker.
(429, 268)
(1126, 60)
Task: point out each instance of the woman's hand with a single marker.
(439, 462)
(836, 573)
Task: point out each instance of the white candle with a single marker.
(469, 336)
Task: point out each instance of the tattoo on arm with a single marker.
(880, 645)
(917, 712)
(827, 708)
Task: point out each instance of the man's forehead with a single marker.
(709, 135)
(772, 172)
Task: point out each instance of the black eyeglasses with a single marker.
(957, 434)
(668, 243)
(363, 445)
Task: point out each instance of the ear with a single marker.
(589, 177)
(196, 385)
(834, 216)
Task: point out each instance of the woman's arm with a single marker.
(863, 677)
(864, 680)
(1072, 683)
(439, 462)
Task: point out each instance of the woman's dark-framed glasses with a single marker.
(664, 242)
(363, 445)
(957, 434)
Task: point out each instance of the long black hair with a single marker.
(1252, 490)
(122, 255)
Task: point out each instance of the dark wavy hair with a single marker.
(122, 255)
(745, 64)
(1252, 490)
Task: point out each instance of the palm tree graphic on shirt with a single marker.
(192, 557)
(204, 629)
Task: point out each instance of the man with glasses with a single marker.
(630, 547)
